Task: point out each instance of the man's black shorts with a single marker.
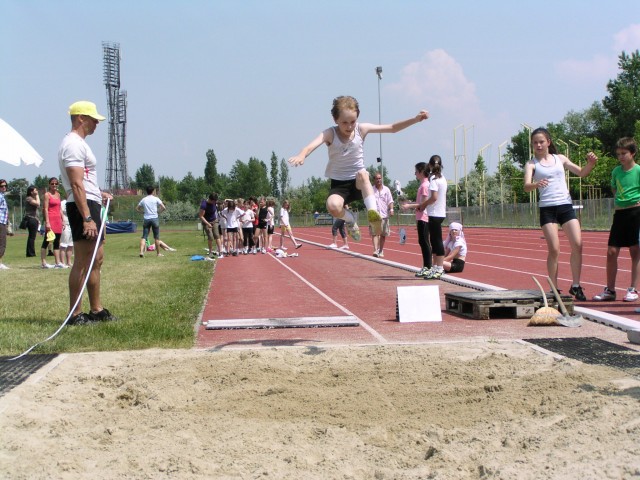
(77, 222)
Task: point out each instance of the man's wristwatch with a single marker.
(88, 219)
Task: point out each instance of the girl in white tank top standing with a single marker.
(545, 172)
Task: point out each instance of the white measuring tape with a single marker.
(84, 285)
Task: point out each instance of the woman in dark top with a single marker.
(31, 212)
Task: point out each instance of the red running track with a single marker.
(326, 282)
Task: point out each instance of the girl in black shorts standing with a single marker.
(545, 172)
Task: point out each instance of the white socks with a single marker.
(370, 202)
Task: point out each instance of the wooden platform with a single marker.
(296, 322)
(501, 304)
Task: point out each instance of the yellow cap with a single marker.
(85, 108)
(51, 236)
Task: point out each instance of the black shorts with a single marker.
(77, 222)
(346, 189)
(457, 265)
(625, 228)
(560, 214)
(270, 229)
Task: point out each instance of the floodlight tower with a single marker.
(117, 176)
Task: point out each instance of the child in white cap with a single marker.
(455, 249)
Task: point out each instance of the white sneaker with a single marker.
(344, 247)
(46, 266)
(631, 295)
(375, 253)
(59, 265)
(380, 254)
(3, 267)
(333, 245)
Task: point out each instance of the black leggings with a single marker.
(423, 241)
(247, 233)
(435, 235)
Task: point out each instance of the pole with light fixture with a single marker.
(379, 74)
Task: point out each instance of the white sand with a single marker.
(467, 410)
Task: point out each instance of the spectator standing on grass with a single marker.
(285, 226)
(32, 204)
(437, 211)
(422, 219)
(546, 173)
(66, 242)
(5, 228)
(151, 207)
(455, 249)
(84, 203)
(208, 215)
(625, 229)
(349, 179)
(384, 207)
(52, 217)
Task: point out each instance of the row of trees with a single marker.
(595, 129)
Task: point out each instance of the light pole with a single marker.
(379, 74)
(500, 174)
(455, 159)
(484, 186)
(466, 173)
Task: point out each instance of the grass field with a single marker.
(156, 299)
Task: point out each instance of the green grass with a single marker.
(157, 300)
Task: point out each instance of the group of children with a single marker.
(545, 172)
(246, 226)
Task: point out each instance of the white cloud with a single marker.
(437, 81)
(600, 68)
(627, 39)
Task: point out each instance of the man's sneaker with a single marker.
(631, 295)
(354, 231)
(579, 294)
(424, 272)
(606, 296)
(103, 315)
(80, 319)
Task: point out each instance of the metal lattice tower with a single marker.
(117, 177)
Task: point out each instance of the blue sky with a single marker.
(246, 78)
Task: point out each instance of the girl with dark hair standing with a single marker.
(545, 172)
(437, 211)
(31, 212)
(422, 219)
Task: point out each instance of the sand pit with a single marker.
(465, 410)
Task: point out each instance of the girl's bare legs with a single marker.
(550, 231)
(574, 235)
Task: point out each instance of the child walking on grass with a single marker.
(349, 178)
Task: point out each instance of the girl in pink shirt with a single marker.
(422, 219)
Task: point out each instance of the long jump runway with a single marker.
(357, 289)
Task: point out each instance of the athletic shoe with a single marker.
(142, 255)
(380, 254)
(578, 293)
(80, 319)
(344, 247)
(375, 253)
(375, 220)
(103, 315)
(434, 274)
(354, 231)
(298, 246)
(253, 251)
(606, 296)
(333, 245)
(631, 295)
(263, 250)
(3, 267)
(46, 266)
(60, 265)
(424, 272)
(283, 248)
(221, 255)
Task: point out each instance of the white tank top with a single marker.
(556, 193)
(345, 159)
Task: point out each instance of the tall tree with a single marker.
(248, 179)
(623, 102)
(275, 190)
(284, 177)
(168, 189)
(211, 169)
(145, 176)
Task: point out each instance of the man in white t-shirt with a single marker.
(84, 203)
(151, 206)
(384, 207)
